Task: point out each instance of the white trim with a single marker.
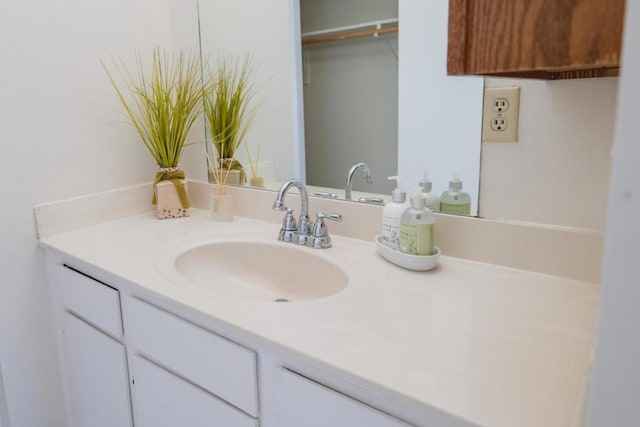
(4, 409)
(299, 168)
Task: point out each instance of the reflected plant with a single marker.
(228, 93)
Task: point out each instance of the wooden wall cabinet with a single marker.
(545, 39)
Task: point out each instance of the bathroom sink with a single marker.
(253, 270)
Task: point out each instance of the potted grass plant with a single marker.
(228, 111)
(162, 105)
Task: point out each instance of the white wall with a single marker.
(615, 391)
(264, 30)
(558, 171)
(439, 116)
(63, 136)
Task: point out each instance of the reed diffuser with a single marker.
(221, 198)
(255, 180)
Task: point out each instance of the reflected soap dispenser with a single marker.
(391, 214)
(433, 199)
(454, 200)
(417, 227)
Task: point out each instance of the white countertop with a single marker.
(495, 346)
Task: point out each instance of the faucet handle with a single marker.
(332, 216)
(289, 227)
(320, 238)
(289, 222)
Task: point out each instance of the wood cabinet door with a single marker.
(535, 38)
(162, 399)
(96, 376)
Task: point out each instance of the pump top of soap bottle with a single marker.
(432, 199)
(426, 185)
(418, 199)
(397, 195)
(455, 185)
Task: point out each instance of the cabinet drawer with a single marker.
(91, 300)
(302, 402)
(165, 400)
(222, 367)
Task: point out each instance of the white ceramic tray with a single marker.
(411, 262)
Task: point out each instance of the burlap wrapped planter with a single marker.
(170, 194)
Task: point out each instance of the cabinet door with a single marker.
(162, 399)
(89, 299)
(535, 38)
(303, 403)
(96, 376)
(219, 366)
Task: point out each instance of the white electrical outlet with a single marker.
(500, 114)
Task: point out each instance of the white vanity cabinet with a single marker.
(93, 357)
(302, 402)
(146, 365)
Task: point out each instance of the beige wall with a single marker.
(64, 135)
(558, 171)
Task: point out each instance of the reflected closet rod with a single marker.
(350, 32)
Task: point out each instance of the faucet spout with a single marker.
(304, 227)
(279, 205)
(368, 178)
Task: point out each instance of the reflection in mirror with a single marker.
(350, 88)
(262, 29)
(405, 110)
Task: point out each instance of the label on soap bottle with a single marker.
(417, 239)
(391, 231)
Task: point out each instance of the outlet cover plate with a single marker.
(501, 105)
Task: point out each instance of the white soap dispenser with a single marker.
(391, 214)
(432, 199)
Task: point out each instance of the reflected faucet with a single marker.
(303, 231)
(368, 178)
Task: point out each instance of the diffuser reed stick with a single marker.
(220, 174)
(253, 165)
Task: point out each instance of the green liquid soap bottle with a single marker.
(433, 199)
(455, 201)
(417, 227)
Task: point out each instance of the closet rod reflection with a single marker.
(349, 35)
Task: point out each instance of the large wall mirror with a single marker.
(350, 81)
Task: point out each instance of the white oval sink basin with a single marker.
(258, 271)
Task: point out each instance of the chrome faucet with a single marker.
(301, 233)
(368, 178)
(303, 230)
